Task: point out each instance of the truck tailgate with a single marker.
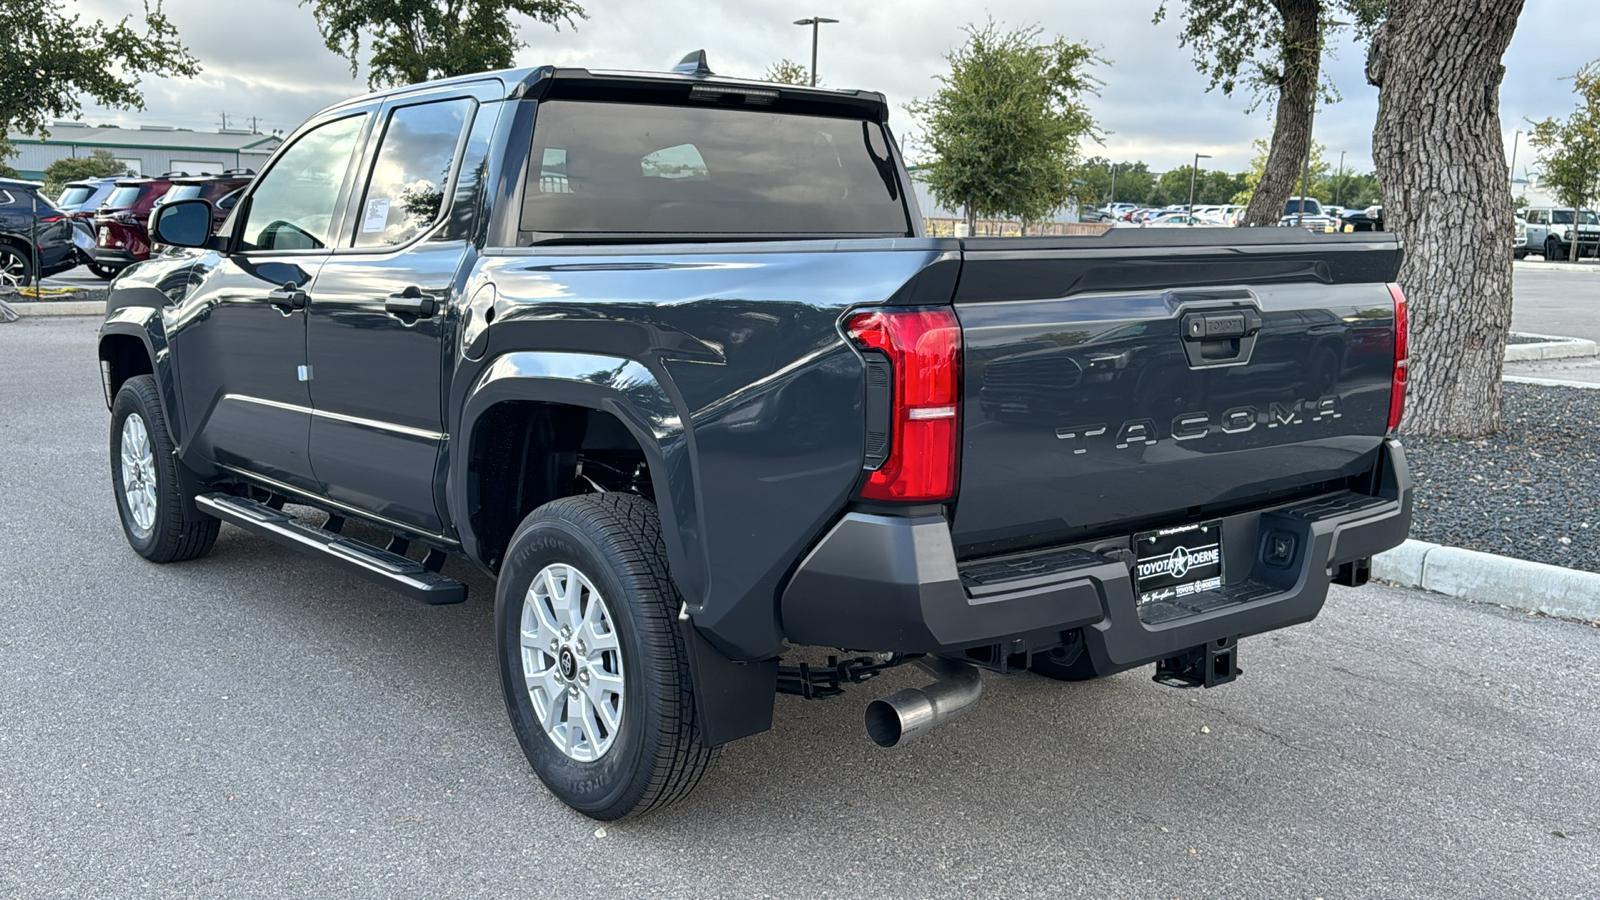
(1140, 380)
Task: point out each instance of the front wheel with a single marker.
(592, 658)
(144, 475)
(1554, 251)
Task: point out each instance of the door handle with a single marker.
(288, 297)
(410, 302)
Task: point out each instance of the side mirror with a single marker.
(182, 223)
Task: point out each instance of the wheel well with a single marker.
(122, 356)
(523, 454)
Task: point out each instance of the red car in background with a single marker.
(121, 238)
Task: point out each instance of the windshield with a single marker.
(638, 169)
(74, 196)
(1312, 208)
(1564, 217)
(124, 195)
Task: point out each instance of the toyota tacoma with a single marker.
(671, 357)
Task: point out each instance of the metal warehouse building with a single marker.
(146, 150)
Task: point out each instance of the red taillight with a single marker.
(1402, 359)
(48, 219)
(924, 351)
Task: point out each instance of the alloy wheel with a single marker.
(572, 662)
(138, 474)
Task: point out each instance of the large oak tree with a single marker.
(51, 60)
(1441, 158)
(1274, 48)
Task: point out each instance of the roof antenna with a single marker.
(694, 64)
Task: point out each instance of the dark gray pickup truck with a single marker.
(670, 356)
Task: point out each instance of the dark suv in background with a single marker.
(35, 236)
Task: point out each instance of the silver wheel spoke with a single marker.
(572, 662)
(138, 474)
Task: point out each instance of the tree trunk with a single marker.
(1297, 93)
(1441, 160)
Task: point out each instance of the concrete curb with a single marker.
(1550, 382)
(61, 308)
(1550, 346)
(1555, 266)
(1488, 578)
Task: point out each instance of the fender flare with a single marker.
(623, 388)
(139, 317)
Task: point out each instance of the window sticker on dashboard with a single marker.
(1174, 563)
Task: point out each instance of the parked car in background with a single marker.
(120, 236)
(81, 200)
(1550, 232)
(1175, 220)
(1307, 213)
(35, 236)
(1369, 219)
(221, 191)
(1519, 243)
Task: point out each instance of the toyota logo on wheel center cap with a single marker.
(569, 664)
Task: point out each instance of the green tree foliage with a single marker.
(100, 164)
(417, 40)
(787, 71)
(1006, 123)
(1274, 48)
(1569, 150)
(1258, 167)
(1134, 180)
(50, 60)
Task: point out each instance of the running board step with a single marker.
(391, 570)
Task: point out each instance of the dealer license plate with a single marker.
(1174, 563)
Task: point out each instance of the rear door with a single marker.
(381, 316)
(1149, 379)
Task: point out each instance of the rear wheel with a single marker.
(16, 269)
(592, 659)
(144, 474)
(100, 271)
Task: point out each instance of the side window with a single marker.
(292, 206)
(405, 194)
(1537, 217)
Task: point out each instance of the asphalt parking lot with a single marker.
(255, 724)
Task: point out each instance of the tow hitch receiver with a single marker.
(1215, 662)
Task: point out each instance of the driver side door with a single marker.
(241, 331)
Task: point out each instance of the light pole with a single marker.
(1515, 139)
(1194, 172)
(1338, 181)
(816, 23)
(1113, 187)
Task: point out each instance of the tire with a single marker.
(105, 272)
(16, 268)
(641, 749)
(1554, 251)
(142, 454)
(1519, 254)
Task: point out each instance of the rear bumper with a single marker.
(113, 259)
(886, 583)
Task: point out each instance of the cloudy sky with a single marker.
(266, 59)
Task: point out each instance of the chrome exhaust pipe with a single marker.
(906, 714)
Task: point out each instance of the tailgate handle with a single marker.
(1220, 338)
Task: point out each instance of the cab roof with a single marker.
(691, 81)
